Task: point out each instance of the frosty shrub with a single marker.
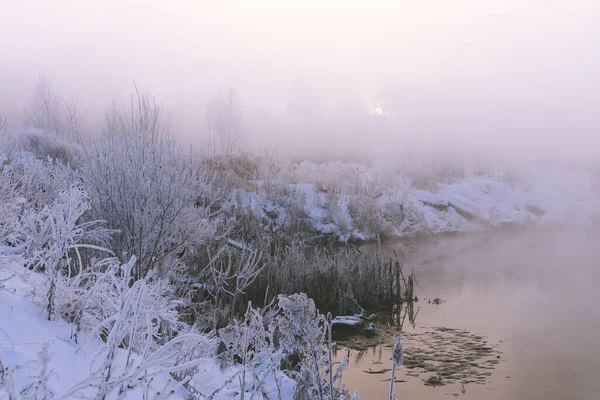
(52, 239)
(291, 334)
(45, 145)
(303, 332)
(142, 334)
(251, 345)
(10, 206)
(230, 274)
(236, 170)
(162, 200)
(360, 200)
(34, 181)
(365, 214)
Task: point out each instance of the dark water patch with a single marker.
(436, 355)
(448, 355)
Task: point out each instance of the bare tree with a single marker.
(224, 119)
(142, 119)
(45, 109)
(72, 116)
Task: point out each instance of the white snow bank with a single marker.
(429, 199)
(226, 383)
(360, 202)
(25, 333)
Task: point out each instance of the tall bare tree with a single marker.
(45, 109)
(224, 118)
(72, 117)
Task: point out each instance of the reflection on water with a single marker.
(400, 314)
(519, 320)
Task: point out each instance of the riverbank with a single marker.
(361, 206)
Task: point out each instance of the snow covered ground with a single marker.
(39, 360)
(549, 194)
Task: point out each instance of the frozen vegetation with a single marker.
(130, 269)
(121, 278)
(358, 202)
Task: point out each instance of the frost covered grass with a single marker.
(134, 358)
(42, 359)
(343, 281)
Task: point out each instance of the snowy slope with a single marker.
(542, 195)
(25, 333)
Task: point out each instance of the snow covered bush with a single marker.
(51, 112)
(234, 170)
(303, 332)
(10, 205)
(140, 327)
(290, 334)
(250, 345)
(95, 298)
(230, 274)
(45, 145)
(53, 238)
(139, 314)
(56, 234)
(163, 201)
(353, 200)
(34, 182)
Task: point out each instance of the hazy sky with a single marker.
(483, 72)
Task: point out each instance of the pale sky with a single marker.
(483, 72)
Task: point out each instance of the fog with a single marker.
(333, 79)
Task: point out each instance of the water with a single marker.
(530, 298)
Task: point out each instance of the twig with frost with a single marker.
(227, 382)
(41, 384)
(9, 339)
(329, 354)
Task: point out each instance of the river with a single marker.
(519, 319)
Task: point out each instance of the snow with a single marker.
(24, 331)
(211, 379)
(348, 320)
(563, 195)
(428, 198)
